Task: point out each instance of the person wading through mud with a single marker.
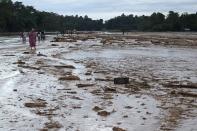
(42, 35)
(39, 36)
(23, 37)
(32, 39)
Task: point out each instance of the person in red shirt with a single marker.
(32, 39)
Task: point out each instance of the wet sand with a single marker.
(69, 85)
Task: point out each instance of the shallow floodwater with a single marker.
(178, 63)
(153, 62)
(154, 52)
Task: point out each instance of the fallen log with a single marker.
(84, 85)
(29, 67)
(187, 94)
(71, 77)
(64, 66)
(189, 86)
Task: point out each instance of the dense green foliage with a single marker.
(17, 17)
(156, 22)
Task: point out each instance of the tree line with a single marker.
(156, 22)
(15, 17)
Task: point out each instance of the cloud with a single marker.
(110, 8)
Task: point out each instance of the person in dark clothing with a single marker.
(39, 36)
(23, 36)
(42, 35)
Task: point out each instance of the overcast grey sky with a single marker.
(106, 9)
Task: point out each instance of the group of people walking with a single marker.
(33, 35)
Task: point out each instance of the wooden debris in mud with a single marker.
(39, 62)
(56, 55)
(52, 125)
(109, 90)
(188, 86)
(29, 67)
(54, 45)
(128, 107)
(76, 98)
(44, 113)
(137, 86)
(118, 129)
(111, 40)
(88, 73)
(72, 92)
(70, 77)
(103, 79)
(104, 113)
(8, 55)
(68, 89)
(107, 97)
(41, 72)
(64, 39)
(15, 90)
(26, 52)
(101, 71)
(133, 88)
(107, 41)
(96, 92)
(92, 64)
(96, 109)
(121, 80)
(84, 85)
(19, 62)
(36, 104)
(155, 41)
(39, 54)
(76, 107)
(43, 129)
(125, 116)
(187, 94)
(64, 66)
(83, 39)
